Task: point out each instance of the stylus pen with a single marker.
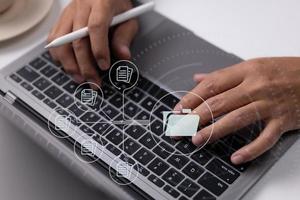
(84, 32)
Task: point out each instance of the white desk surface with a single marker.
(246, 28)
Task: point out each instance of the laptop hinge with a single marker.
(10, 97)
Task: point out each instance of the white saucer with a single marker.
(22, 16)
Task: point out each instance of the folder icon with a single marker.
(180, 123)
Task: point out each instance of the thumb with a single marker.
(122, 38)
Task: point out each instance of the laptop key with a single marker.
(38, 95)
(157, 127)
(65, 100)
(50, 103)
(28, 74)
(49, 71)
(27, 86)
(135, 131)
(170, 100)
(201, 157)
(212, 184)
(136, 95)
(42, 83)
(117, 100)
(163, 150)
(222, 170)
(173, 177)
(224, 152)
(203, 194)
(113, 149)
(116, 136)
(130, 146)
(107, 91)
(149, 140)
(148, 104)
(87, 130)
(131, 109)
(178, 161)
(62, 112)
(71, 87)
(186, 147)
(90, 117)
(193, 170)
(171, 191)
(109, 112)
(37, 63)
(144, 84)
(157, 181)
(78, 109)
(183, 198)
(102, 127)
(143, 116)
(15, 78)
(144, 156)
(60, 78)
(158, 166)
(188, 187)
(53, 92)
(142, 170)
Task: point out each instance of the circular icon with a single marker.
(122, 171)
(176, 126)
(124, 75)
(60, 123)
(88, 97)
(88, 149)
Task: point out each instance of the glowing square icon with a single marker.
(184, 124)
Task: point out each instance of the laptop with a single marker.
(117, 142)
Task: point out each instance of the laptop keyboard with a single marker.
(205, 174)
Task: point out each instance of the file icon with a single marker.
(180, 123)
(124, 74)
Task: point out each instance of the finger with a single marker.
(99, 22)
(122, 38)
(215, 83)
(232, 122)
(65, 54)
(82, 48)
(267, 139)
(199, 77)
(222, 103)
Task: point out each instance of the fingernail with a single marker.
(237, 159)
(78, 78)
(197, 77)
(178, 107)
(103, 64)
(198, 139)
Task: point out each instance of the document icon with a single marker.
(180, 123)
(88, 97)
(124, 170)
(124, 74)
(88, 148)
(62, 123)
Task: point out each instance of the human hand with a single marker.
(80, 58)
(266, 89)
